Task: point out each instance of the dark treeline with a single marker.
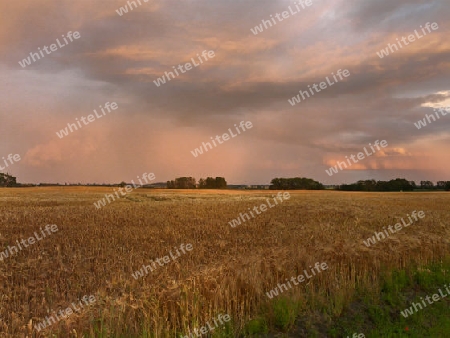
(7, 180)
(399, 184)
(191, 183)
(296, 183)
(211, 183)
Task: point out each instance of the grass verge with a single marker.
(373, 310)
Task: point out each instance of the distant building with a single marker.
(258, 187)
(158, 185)
(236, 186)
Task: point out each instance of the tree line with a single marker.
(7, 180)
(296, 183)
(203, 183)
(303, 183)
(399, 184)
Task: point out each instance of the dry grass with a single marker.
(228, 271)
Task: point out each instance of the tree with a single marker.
(296, 183)
(441, 184)
(212, 183)
(399, 184)
(185, 183)
(221, 183)
(7, 180)
(426, 185)
(182, 183)
(201, 183)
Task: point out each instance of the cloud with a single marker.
(55, 152)
(251, 78)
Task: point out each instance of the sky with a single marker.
(251, 77)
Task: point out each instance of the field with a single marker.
(228, 271)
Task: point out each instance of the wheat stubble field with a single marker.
(228, 271)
